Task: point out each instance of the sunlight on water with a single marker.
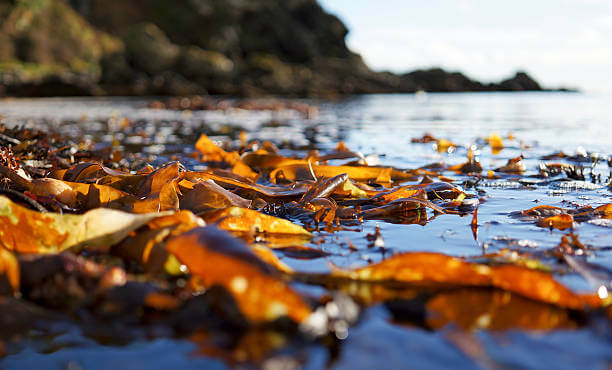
(382, 125)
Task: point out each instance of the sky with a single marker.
(561, 43)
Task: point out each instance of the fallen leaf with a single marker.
(156, 181)
(324, 188)
(207, 195)
(216, 258)
(9, 268)
(147, 247)
(426, 138)
(443, 145)
(87, 172)
(543, 211)
(266, 161)
(471, 166)
(474, 225)
(496, 143)
(248, 220)
(212, 153)
(357, 173)
(425, 267)
(514, 165)
(400, 206)
(604, 211)
(562, 221)
(227, 181)
(268, 256)
(26, 231)
(43, 187)
(399, 193)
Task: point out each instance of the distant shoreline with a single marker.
(245, 49)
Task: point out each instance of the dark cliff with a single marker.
(240, 47)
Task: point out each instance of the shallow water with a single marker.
(384, 125)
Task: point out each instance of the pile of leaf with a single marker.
(76, 234)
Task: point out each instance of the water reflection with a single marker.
(421, 327)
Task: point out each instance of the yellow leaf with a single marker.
(358, 173)
(248, 220)
(26, 231)
(496, 143)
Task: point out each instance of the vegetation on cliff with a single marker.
(137, 47)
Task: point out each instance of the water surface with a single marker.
(383, 125)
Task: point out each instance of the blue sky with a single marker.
(559, 42)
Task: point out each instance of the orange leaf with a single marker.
(323, 188)
(514, 165)
(543, 211)
(358, 173)
(9, 267)
(207, 195)
(425, 267)
(268, 161)
(225, 179)
(467, 167)
(402, 192)
(147, 246)
(605, 211)
(496, 143)
(266, 255)
(210, 150)
(421, 267)
(88, 171)
(442, 145)
(155, 182)
(212, 153)
(561, 222)
(474, 225)
(216, 258)
(248, 220)
(28, 231)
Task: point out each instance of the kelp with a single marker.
(216, 258)
(296, 172)
(247, 220)
(425, 267)
(9, 270)
(234, 243)
(26, 231)
(563, 218)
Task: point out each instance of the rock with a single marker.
(437, 79)
(47, 48)
(520, 82)
(150, 49)
(196, 62)
(240, 47)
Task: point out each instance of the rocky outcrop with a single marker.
(47, 47)
(438, 80)
(240, 47)
(520, 82)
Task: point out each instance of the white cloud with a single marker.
(559, 42)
